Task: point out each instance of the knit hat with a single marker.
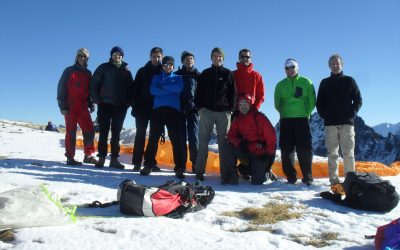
(186, 54)
(117, 49)
(82, 51)
(244, 103)
(291, 63)
(168, 59)
(219, 50)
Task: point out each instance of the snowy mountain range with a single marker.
(370, 145)
(385, 128)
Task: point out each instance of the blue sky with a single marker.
(40, 38)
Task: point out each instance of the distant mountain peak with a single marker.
(385, 128)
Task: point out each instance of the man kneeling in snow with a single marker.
(251, 136)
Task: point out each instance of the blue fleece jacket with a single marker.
(166, 89)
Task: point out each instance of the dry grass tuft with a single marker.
(251, 228)
(7, 235)
(319, 241)
(270, 213)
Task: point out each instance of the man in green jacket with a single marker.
(295, 100)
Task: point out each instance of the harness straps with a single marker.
(97, 204)
(162, 137)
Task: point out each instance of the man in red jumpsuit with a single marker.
(74, 103)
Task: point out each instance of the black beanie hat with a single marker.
(117, 49)
(218, 50)
(186, 54)
(167, 59)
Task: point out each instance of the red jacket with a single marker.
(73, 87)
(250, 82)
(255, 129)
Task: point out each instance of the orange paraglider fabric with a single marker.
(319, 169)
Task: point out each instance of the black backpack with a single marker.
(173, 199)
(366, 191)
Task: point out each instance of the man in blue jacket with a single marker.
(166, 89)
(190, 117)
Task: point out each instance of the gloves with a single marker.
(91, 108)
(64, 111)
(243, 147)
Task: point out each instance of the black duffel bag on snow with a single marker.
(173, 199)
(366, 191)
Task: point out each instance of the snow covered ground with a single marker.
(31, 157)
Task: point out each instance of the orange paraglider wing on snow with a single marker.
(319, 169)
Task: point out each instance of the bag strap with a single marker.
(97, 204)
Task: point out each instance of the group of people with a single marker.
(190, 103)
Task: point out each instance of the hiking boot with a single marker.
(145, 171)
(180, 175)
(114, 163)
(89, 159)
(136, 168)
(307, 182)
(100, 162)
(72, 162)
(200, 177)
(271, 176)
(155, 168)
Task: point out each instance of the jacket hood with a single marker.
(241, 67)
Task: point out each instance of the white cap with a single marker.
(290, 63)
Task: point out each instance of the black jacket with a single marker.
(112, 85)
(190, 80)
(338, 100)
(216, 90)
(143, 105)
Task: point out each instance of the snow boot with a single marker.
(155, 168)
(72, 162)
(114, 163)
(199, 177)
(89, 159)
(100, 162)
(146, 170)
(136, 168)
(180, 175)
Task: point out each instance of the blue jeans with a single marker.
(190, 132)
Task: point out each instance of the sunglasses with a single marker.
(82, 57)
(168, 64)
(291, 67)
(245, 57)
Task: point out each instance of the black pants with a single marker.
(114, 116)
(294, 135)
(140, 139)
(170, 117)
(257, 169)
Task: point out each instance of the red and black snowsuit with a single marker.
(249, 82)
(73, 96)
(251, 136)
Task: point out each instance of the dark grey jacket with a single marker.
(338, 100)
(112, 85)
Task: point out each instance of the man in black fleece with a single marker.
(143, 106)
(215, 100)
(338, 102)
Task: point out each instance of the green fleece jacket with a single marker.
(295, 98)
